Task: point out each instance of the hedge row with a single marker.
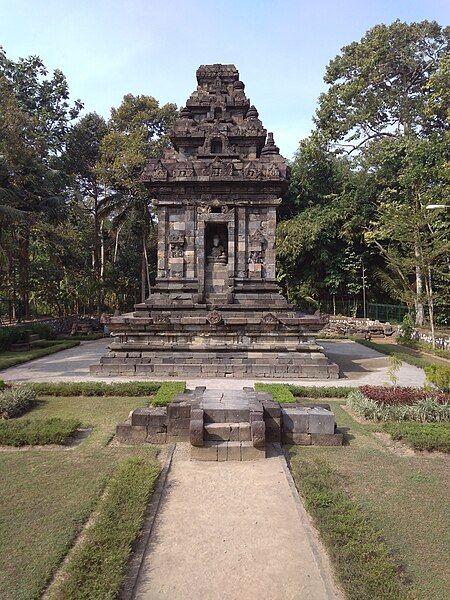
(97, 388)
(23, 432)
(16, 401)
(97, 567)
(421, 436)
(167, 392)
(328, 391)
(280, 392)
(362, 560)
(401, 395)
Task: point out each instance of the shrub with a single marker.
(327, 391)
(406, 330)
(167, 392)
(43, 330)
(439, 375)
(15, 401)
(363, 562)
(400, 395)
(421, 436)
(279, 391)
(97, 567)
(424, 410)
(12, 335)
(96, 388)
(2, 385)
(23, 432)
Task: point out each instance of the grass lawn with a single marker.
(48, 494)
(9, 359)
(409, 355)
(407, 498)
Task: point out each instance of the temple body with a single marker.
(216, 308)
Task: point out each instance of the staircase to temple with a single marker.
(228, 426)
(232, 425)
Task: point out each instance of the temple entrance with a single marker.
(216, 263)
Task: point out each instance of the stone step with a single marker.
(219, 413)
(223, 451)
(227, 432)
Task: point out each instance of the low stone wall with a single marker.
(63, 325)
(348, 326)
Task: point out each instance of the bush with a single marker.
(361, 558)
(16, 401)
(43, 330)
(2, 385)
(23, 432)
(425, 410)
(97, 566)
(406, 330)
(280, 392)
(167, 392)
(12, 335)
(328, 391)
(96, 388)
(439, 375)
(421, 436)
(400, 395)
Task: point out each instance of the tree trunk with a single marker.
(419, 287)
(429, 290)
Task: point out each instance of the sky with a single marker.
(108, 48)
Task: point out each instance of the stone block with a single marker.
(237, 415)
(234, 432)
(321, 421)
(295, 419)
(244, 432)
(272, 409)
(234, 450)
(324, 439)
(217, 431)
(299, 439)
(131, 434)
(196, 432)
(175, 426)
(222, 451)
(214, 414)
(250, 452)
(208, 452)
(156, 437)
(258, 431)
(197, 414)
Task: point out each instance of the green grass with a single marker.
(9, 359)
(407, 355)
(48, 494)
(421, 436)
(365, 568)
(405, 497)
(22, 432)
(97, 567)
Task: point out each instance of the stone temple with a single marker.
(216, 308)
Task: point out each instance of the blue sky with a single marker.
(281, 47)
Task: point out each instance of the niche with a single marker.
(216, 242)
(216, 146)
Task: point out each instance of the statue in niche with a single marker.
(218, 253)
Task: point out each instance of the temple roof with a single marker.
(218, 134)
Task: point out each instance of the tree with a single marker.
(379, 86)
(81, 158)
(35, 117)
(137, 131)
(382, 89)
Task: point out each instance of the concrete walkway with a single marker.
(359, 366)
(227, 531)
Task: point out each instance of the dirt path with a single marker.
(233, 530)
